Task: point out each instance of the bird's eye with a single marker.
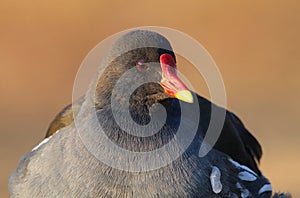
(142, 65)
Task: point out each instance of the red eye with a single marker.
(142, 66)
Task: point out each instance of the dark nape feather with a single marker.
(251, 143)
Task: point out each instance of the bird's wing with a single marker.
(251, 143)
(235, 140)
(64, 117)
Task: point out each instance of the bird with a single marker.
(62, 165)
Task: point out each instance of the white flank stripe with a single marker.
(215, 181)
(246, 176)
(265, 188)
(242, 166)
(41, 143)
(245, 193)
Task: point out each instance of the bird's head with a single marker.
(146, 60)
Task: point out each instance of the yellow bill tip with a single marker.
(185, 96)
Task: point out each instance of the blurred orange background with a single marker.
(256, 46)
